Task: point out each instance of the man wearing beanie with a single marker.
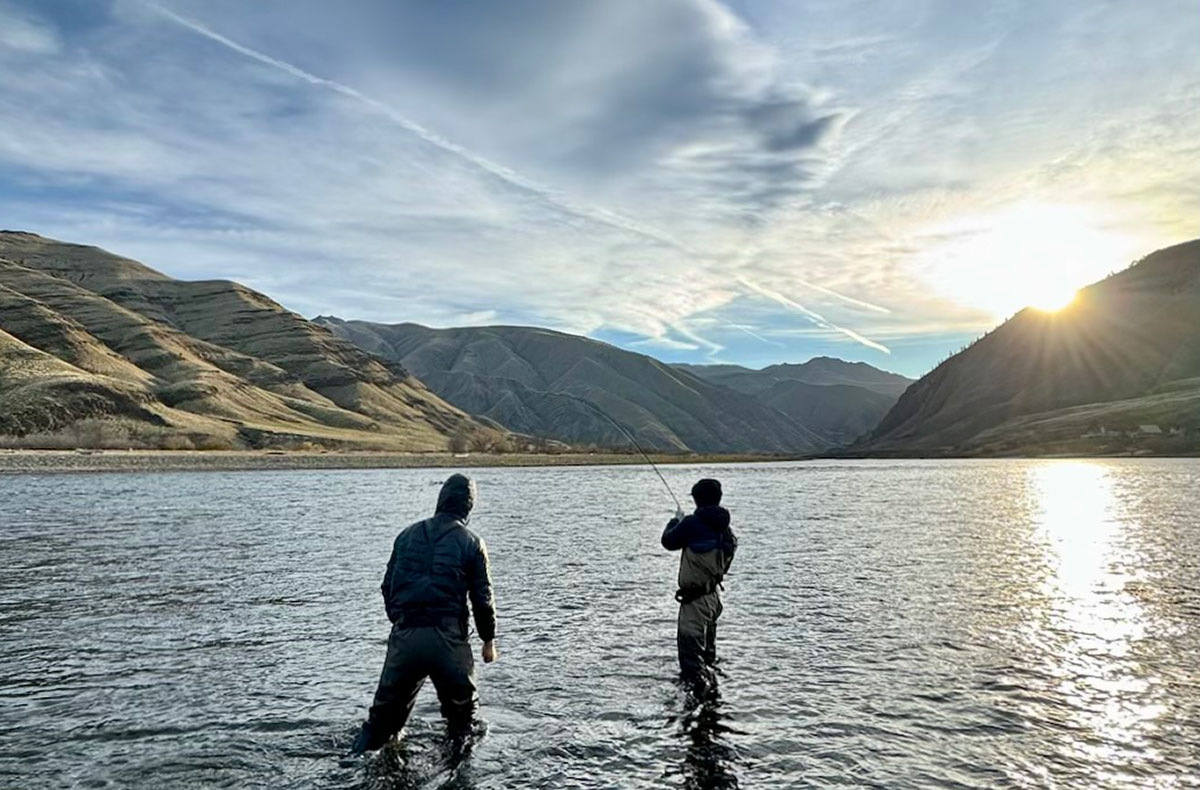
(436, 566)
(707, 545)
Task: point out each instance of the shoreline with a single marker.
(17, 462)
(22, 462)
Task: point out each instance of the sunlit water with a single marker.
(890, 625)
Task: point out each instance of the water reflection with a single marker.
(709, 760)
(1076, 519)
(1095, 622)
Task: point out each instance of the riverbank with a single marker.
(78, 461)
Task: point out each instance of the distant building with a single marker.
(1150, 430)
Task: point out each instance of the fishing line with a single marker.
(622, 429)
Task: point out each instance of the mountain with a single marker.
(841, 413)
(1126, 353)
(840, 401)
(149, 360)
(821, 371)
(561, 386)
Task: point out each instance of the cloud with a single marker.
(813, 316)
(789, 125)
(847, 299)
(609, 167)
(23, 32)
(750, 332)
(615, 123)
(209, 155)
(667, 343)
(508, 176)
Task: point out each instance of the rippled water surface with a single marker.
(891, 625)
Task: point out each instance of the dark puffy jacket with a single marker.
(708, 545)
(705, 530)
(437, 564)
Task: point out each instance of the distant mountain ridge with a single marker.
(92, 336)
(1125, 354)
(541, 382)
(822, 371)
(839, 400)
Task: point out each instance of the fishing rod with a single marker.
(631, 438)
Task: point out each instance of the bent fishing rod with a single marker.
(631, 438)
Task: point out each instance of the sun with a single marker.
(1029, 255)
(1053, 299)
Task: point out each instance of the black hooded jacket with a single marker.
(705, 530)
(707, 543)
(437, 564)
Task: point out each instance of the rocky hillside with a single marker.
(551, 384)
(839, 401)
(101, 345)
(1126, 354)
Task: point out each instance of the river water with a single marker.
(923, 624)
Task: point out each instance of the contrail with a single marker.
(713, 348)
(815, 317)
(757, 254)
(512, 178)
(843, 297)
(594, 214)
(748, 331)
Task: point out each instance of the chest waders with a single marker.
(424, 645)
(699, 609)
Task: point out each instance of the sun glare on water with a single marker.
(1032, 255)
(1090, 563)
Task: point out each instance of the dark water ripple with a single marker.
(888, 625)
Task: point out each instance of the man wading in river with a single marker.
(708, 546)
(436, 565)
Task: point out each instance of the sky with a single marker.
(750, 182)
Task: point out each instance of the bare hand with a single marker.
(490, 653)
(679, 514)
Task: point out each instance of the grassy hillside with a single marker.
(40, 393)
(211, 364)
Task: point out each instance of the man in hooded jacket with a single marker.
(436, 566)
(707, 546)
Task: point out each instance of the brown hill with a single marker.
(214, 362)
(41, 393)
(1126, 352)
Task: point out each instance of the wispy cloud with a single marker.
(25, 33)
(749, 331)
(680, 328)
(460, 161)
(813, 316)
(847, 299)
(509, 176)
(665, 342)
